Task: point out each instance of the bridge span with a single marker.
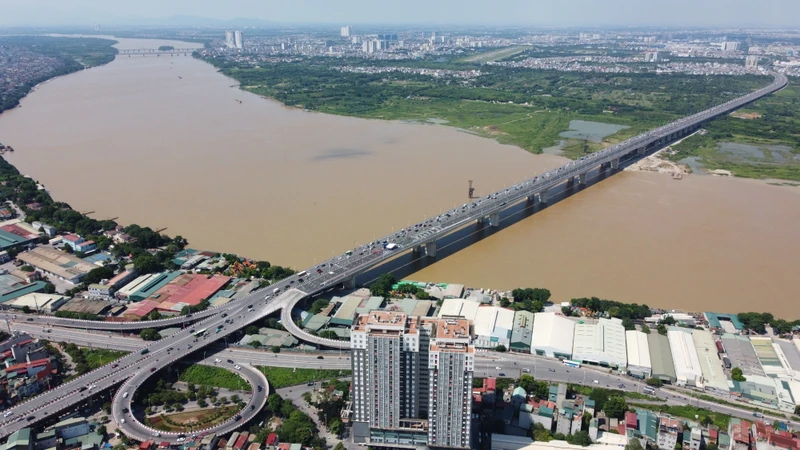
(344, 269)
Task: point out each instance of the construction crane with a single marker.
(471, 189)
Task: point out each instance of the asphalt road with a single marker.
(134, 429)
(511, 365)
(284, 294)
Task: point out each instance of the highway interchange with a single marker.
(286, 293)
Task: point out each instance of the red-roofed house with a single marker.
(85, 246)
(631, 420)
(272, 439)
(239, 444)
(190, 288)
(783, 442)
(284, 446)
(140, 309)
(146, 445)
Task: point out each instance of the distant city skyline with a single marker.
(555, 13)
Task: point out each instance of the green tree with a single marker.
(150, 334)
(628, 324)
(737, 375)
(655, 382)
(540, 434)
(318, 305)
(500, 348)
(383, 285)
(504, 302)
(99, 274)
(645, 329)
(616, 407)
(275, 403)
(275, 349)
(662, 329)
(634, 444)
(254, 344)
(580, 438)
(339, 446)
(251, 329)
(146, 263)
(26, 309)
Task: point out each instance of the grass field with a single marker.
(280, 377)
(212, 376)
(186, 421)
(494, 55)
(689, 412)
(100, 357)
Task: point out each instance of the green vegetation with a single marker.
(522, 107)
(86, 359)
(280, 377)
(689, 412)
(758, 322)
(212, 376)
(769, 122)
(654, 382)
(613, 308)
(296, 426)
(74, 54)
(527, 299)
(329, 406)
(736, 374)
(188, 421)
(150, 334)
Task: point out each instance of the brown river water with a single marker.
(164, 142)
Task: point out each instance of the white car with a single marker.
(216, 360)
(237, 367)
(122, 421)
(125, 395)
(8, 413)
(498, 368)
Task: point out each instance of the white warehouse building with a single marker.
(601, 343)
(552, 335)
(492, 327)
(459, 307)
(639, 364)
(684, 356)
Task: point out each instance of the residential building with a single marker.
(695, 439)
(72, 241)
(601, 343)
(238, 39)
(412, 380)
(346, 31)
(669, 432)
(751, 62)
(638, 354)
(19, 440)
(552, 335)
(730, 46)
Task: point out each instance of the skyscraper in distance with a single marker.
(412, 380)
(346, 31)
(238, 39)
(229, 39)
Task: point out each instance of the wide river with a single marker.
(165, 142)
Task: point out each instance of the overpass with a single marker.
(344, 269)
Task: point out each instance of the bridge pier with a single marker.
(350, 283)
(615, 164)
(542, 197)
(642, 150)
(430, 249)
(494, 219)
(582, 179)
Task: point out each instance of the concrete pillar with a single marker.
(582, 178)
(430, 249)
(542, 197)
(531, 198)
(615, 164)
(642, 151)
(494, 219)
(350, 283)
(418, 248)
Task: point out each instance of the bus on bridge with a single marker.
(571, 363)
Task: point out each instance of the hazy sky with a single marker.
(523, 12)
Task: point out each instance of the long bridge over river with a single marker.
(340, 270)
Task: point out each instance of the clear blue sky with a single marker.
(557, 13)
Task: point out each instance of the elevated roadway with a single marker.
(345, 268)
(121, 407)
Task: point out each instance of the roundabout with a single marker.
(122, 407)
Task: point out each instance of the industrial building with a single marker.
(710, 364)
(552, 335)
(638, 354)
(601, 343)
(661, 358)
(522, 333)
(684, 357)
(37, 301)
(57, 264)
(412, 380)
(493, 326)
(459, 307)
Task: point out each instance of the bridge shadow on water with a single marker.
(409, 263)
